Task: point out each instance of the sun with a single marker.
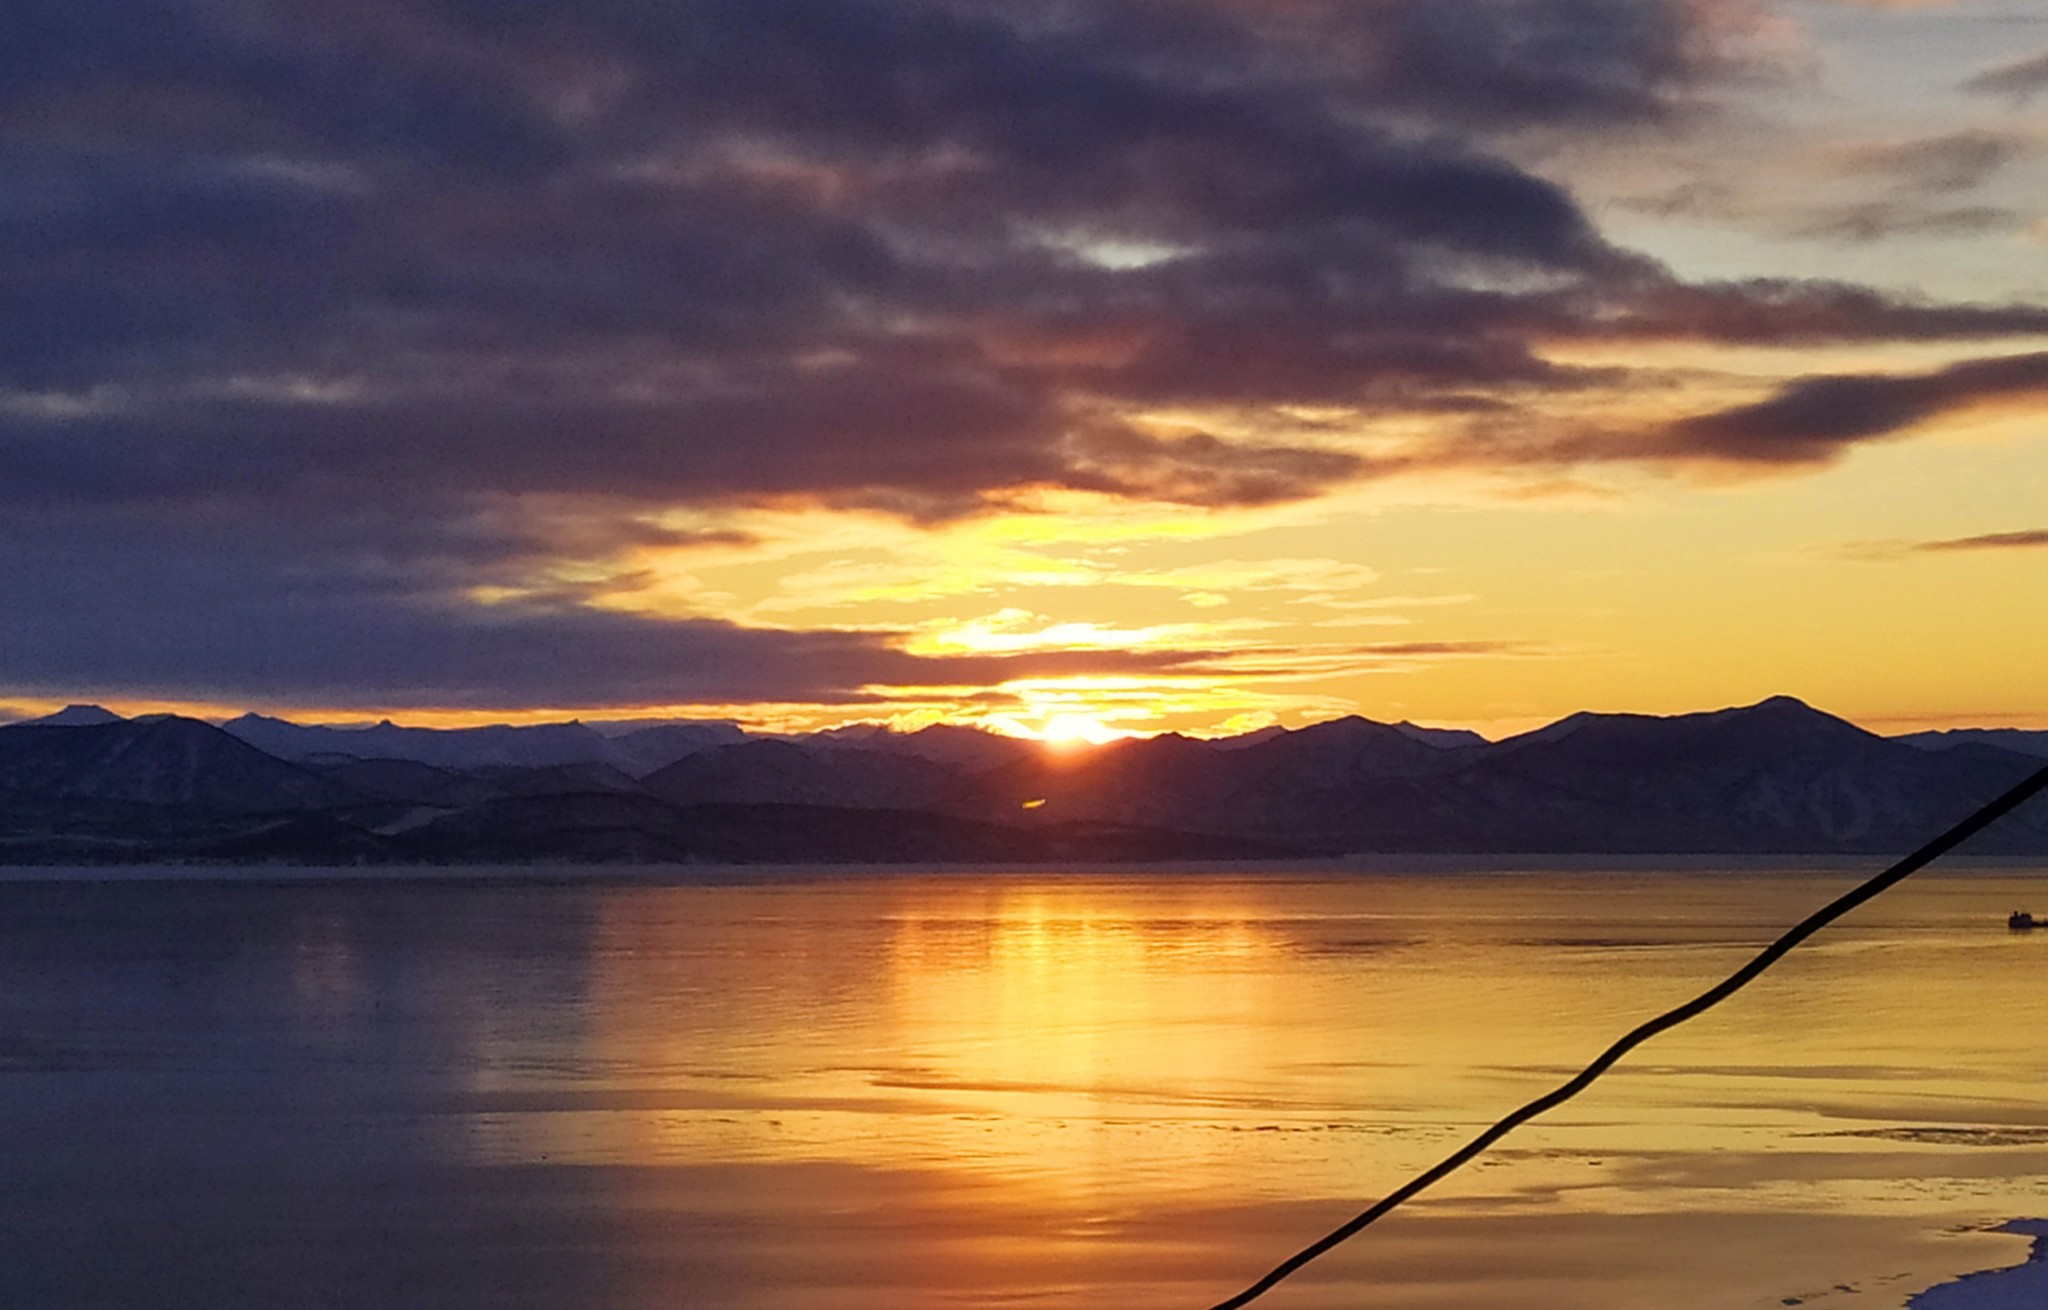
(1069, 730)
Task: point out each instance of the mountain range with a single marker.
(1778, 777)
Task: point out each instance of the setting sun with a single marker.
(1070, 730)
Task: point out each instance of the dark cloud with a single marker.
(1784, 312)
(1813, 419)
(710, 252)
(728, 251)
(1518, 61)
(471, 658)
(323, 318)
(1499, 63)
(278, 613)
(2020, 80)
(1201, 469)
(2028, 539)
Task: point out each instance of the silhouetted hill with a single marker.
(593, 827)
(2018, 740)
(788, 773)
(80, 830)
(500, 745)
(73, 716)
(1155, 782)
(1776, 777)
(1355, 748)
(963, 749)
(319, 839)
(635, 751)
(405, 780)
(1302, 786)
(157, 761)
(662, 744)
(558, 780)
(1440, 736)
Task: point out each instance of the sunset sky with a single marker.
(1083, 365)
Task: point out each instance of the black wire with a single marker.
(1693, 1008)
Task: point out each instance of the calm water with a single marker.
(1004, 1089)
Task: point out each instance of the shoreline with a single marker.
(1468, 865)
(2022, 1286)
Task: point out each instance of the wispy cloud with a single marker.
(1814, 419)
(2029, 539)
(2019, 80)
(1985, 542)
(1883, 219)
(1944, 164)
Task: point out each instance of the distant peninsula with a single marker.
(86, 786)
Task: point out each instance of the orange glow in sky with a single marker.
(1664, 365)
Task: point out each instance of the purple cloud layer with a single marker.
(304, 307)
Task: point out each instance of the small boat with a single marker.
(2021, 921)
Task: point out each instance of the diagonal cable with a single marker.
(1670, 1019)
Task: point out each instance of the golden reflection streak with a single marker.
(1015, 1076)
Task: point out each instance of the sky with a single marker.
(1063, 366)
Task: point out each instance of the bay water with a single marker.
(864, 1089)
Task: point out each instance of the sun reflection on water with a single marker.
(1043, 1070)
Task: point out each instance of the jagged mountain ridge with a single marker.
(163, 760)
(1776, 777)
(501, 745)
(2020, 740)
(74, 716)
(637, 748)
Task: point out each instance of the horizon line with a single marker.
(1884, 726)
